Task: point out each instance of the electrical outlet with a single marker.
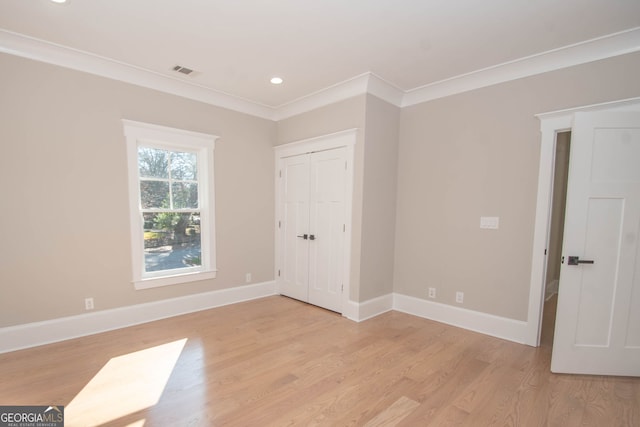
(88, 303)
(459, 297)
(432, 292)
(247, 277)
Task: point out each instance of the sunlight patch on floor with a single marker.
(126, 384)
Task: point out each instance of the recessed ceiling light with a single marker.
(276, 80)
(59, 1)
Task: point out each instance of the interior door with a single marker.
(294, 227)
(598, 315)
(312, 229)
(327, 226)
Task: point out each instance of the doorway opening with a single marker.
(551, 124)
(556, 232)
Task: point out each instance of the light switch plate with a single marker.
(490, 222)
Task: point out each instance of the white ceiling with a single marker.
(236, 46)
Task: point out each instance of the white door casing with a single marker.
(327, 165)
(598, 316)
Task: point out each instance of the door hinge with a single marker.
(278, 273)
(344, 227)
(279, 224)
(545, 251)
(280, 173)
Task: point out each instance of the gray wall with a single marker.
(379, 198)
(477, 154)
(63, 169)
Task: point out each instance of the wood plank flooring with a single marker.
(280, 362)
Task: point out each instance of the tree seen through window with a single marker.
(169, 204)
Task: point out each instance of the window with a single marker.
(172, 204)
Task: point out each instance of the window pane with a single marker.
(184, 166)
(153, 163)
(185, 195)
(171, 240)
(154, 194)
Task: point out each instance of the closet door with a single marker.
(294, 227)
(327, 228)
(313, 227)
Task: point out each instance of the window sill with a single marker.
(156, 282)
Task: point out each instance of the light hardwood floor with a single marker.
(279, 362)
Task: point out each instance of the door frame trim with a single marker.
(347, 139)
(551, 124)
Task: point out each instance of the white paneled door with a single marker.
(294, 227)
(598, 316)
(312, 227)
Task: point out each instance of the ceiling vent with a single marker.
(183, 70)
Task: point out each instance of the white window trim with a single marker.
(138, 133)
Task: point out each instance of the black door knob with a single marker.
(575, 260)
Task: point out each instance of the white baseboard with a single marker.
(488, 324)
(496, 326)
(359, 311)
(46, 332)
(351, 310)
(39, 333)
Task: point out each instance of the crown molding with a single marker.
(40, 50)
(335, 93)
(608, 46)
(362, 84)
(385, 90)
